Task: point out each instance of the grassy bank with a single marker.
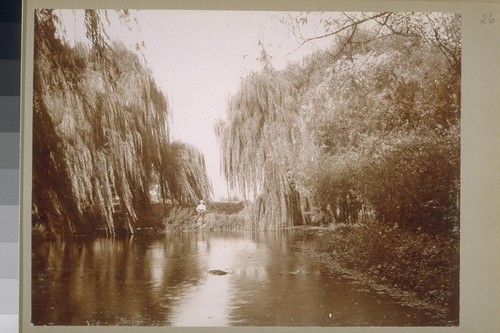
(220, 216)
(421, 269)
(184, 219)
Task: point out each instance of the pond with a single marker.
(164, 280)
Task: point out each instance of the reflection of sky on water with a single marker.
(159, 260)
(207, 303)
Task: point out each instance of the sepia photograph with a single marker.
(239, 168)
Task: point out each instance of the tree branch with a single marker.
(343, 28)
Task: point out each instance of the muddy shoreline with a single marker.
(405, 298)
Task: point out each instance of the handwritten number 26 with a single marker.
(487, 18)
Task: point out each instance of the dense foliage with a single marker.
(100, 135)
(368, 129)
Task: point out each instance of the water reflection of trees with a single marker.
(109, 281)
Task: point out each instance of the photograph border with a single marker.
(480, 153)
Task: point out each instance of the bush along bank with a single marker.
(219, 217)
(420, 269)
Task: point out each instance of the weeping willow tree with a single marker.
(258, 144)
(101, 134)
(186, 174)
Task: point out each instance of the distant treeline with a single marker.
(366, 130)
(101, 135)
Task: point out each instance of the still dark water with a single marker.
(145, 280)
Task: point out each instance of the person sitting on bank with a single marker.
(201, 209)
